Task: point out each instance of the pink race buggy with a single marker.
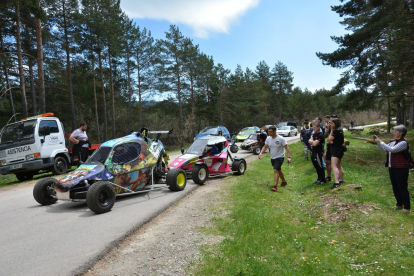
(208, 156)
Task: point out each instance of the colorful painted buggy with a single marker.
(130, 164)
(208, 156)
(255, 142)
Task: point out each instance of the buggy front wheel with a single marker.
(176, 180)
(256, 150)
(101, 197)
(43, 191)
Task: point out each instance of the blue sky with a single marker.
(246, 32)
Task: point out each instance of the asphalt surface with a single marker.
(66, 238)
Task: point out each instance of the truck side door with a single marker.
(52, 142)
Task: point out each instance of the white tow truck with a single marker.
(33, 145)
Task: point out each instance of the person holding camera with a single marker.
(398, 167)
(336, 140)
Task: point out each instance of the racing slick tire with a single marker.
(24, 176)
(200, 174)
(239, 166)
(101, 197)
(43, 191)
(234, 148)
(60, 166)
(176, 180)
(257, 150)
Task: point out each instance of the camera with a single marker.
(374, 137)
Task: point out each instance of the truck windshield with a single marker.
(100, 155)
(18, 131)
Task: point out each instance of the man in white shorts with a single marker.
(278, 146)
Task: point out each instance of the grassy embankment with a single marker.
(305, 229)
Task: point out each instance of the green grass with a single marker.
(304, 229)
(172, 149)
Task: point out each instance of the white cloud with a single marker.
(203, 16)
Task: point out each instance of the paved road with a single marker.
(66, 238)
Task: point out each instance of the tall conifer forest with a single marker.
(87, 61)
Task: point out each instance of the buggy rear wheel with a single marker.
(101, 197)
(176, 180)
(256, 150)
(199, 174)
(239, 166)
(43, 191)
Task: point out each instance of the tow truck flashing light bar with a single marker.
(50, 114)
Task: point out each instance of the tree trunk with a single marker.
(6, 74)
(411, 113)
(68, 69)
(139, 93)
(131, 123)
(32, 88)
(280, 102)
(20, 61)
(40, 72)
(192, 107)
(103, 97)
(403, 115)
(112, 95)
(389, 116)
(95, 100)
(180, 107)
(221, 103)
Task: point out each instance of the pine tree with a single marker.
(171, 68)
(282, 80)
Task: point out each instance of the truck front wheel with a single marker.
(24, 176)
(60, 166)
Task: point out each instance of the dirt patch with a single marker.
(169, 244)
(335, 211)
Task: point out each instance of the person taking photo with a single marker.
(398, 167)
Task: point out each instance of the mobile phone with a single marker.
(374, 137)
